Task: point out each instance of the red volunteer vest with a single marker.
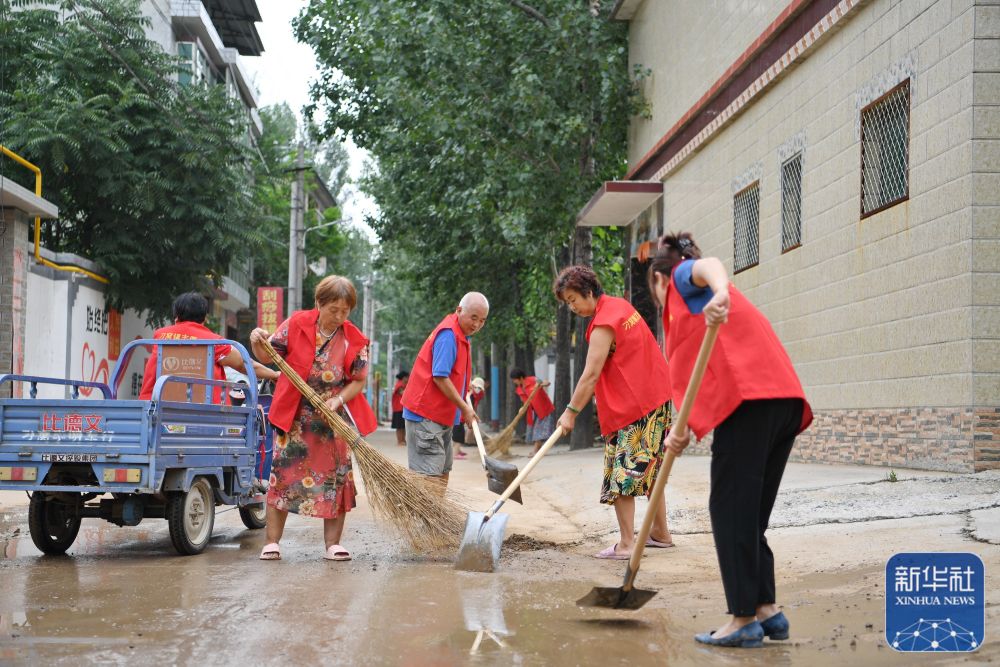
(184, 331)
(301, 352)
(397, 396)
(635, 378)
(422, 396)
(748, 361)
(541, 406)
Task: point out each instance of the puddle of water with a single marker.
(123, 595)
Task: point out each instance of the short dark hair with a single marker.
(516, 374)
(673, 249)
(402, 374)
(580, 279)
(190, 307)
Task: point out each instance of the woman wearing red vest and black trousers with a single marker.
(312, 474)
(754, 401)
(626, 371)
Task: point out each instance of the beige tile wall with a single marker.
(986, 204)
(706, 35)
(876, 313)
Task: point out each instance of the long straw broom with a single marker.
(501, 443)
(413, 503)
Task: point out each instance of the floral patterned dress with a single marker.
(632, 456)
(312, 474)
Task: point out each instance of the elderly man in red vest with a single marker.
(434, 400)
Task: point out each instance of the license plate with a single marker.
(69, 458)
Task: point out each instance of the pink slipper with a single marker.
(610, 554)
(650, 542)
(461, 455)
(337, 552)
(271, 552)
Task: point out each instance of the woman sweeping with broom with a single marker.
(754, 401)
(627, 372)
(312, 473)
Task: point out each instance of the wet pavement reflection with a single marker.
(122, 596)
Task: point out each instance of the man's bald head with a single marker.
(472, 312)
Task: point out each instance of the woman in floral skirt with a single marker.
(627, 373)
(311, 474)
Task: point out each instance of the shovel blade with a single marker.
(616, 597)
(481, 543)
(499, 476)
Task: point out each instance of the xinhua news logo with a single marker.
(935, 602)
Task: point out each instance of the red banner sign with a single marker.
(114, 333)
(270, 307)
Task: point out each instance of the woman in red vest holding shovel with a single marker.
(312, 473)
(754, 401)
(626, 371)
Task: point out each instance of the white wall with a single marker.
(74, 343)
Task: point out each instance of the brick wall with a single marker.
(13, 286)
(892, 320)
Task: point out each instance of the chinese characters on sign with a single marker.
(70, 427)
(114, 334)
(97, 320)
(935, 602)
(270, 307)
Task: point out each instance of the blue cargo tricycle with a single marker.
(175, 457)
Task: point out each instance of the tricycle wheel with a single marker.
(190, 516)
(53, 524)
(254, 516)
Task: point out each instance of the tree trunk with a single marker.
(583, 432)
(563, 379)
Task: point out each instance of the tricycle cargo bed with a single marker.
(127, 445)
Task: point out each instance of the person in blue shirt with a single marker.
(435, 397)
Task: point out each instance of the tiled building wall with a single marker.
(877, 314)
(706, 35)
(986, 229)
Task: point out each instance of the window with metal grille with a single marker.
(746, 219)
(885, 150)
(791, 203)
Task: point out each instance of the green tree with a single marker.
(490, 124)
(153, 180)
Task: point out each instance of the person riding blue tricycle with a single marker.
(176, 453)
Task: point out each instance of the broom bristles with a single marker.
(501, 443)
(414, 504)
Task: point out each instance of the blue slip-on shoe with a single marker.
(750, 635)
(776, 627)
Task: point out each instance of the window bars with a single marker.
(885, 150)
(746, 219)
(791, 203)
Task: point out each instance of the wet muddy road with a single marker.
(122, 596)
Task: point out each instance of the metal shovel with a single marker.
(626, 596)
(480, 548)
(499, 475)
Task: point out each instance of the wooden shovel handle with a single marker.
(509, 491)
(711, 333)
(479, 442)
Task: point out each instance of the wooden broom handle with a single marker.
(479, 436)
(711, 333)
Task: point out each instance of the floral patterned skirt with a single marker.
(632, 456)
(311, 474)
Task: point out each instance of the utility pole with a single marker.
(296, 235)
(367, 319)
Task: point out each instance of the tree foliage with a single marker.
(490, 124)
(154, 181)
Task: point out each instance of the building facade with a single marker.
(842, 157)
(212, 37)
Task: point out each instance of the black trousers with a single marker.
(749, 452)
